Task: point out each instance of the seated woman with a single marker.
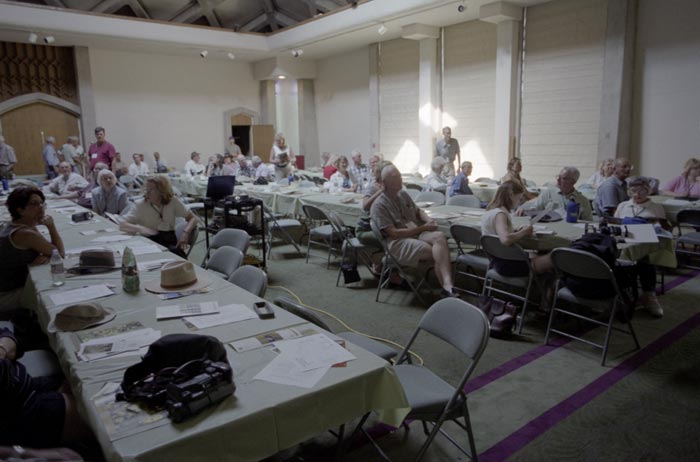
(108, 197)
(329, 169)
(604, 171)
(154, 216)
(435, 179)
(496, 221)
(687, 184)
(216, 166)
(640, 206)
(35, 412)
(515, 166)
(22, 245)
(340, 180)
(460, 184)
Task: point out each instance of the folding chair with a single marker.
(390, 263)
(494, 248)
(179, 229)
(436, 197)
(373, 346)
(581, 264)
(475, 262)
(432, 399)
(464, 200)
(350, 244)
(412, 192)
(224, 261)
(691, 218)
(250, 278)
(280, 228)
(231, 237)
(321, 232)
(486, 180)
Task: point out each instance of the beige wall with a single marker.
(170, 104)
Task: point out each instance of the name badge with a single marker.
(94, 156)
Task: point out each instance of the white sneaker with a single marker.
(652, 304)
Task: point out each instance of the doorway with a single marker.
(242, 135)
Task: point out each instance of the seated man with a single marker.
(460, 184)
(613, 190)
(261, 170)
(411, 235)
(138, 166)
(159, 165)
(435, 179)
(560, 198)
(193, 167)
(66, 182)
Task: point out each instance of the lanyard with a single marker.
(159, 212)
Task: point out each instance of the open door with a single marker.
(262, 137)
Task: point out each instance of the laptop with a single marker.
(220, 187)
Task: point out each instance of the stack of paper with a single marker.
(128, 342)
(188, 309)
(69, 297)
(227, 315)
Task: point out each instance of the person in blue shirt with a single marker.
(460, 184)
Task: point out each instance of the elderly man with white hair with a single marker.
(359, 172)
(435, 178)
(50, 158)
(67, 181)
(8, 159)
(108, 196)
(261, 170)
(559, 198)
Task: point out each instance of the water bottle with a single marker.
(5, 184)
(58, 273)
(290, 178)
(130, 272)
(572, 209)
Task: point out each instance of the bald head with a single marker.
(391, 177)
(623, 168)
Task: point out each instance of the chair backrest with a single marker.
(464, 200)
(688, 217)
(413, 186)
(314, 213)
(582, 264)
(485, 179)
(463, 234)
(412, 192)
(304, 313)
(430, 196)
(194, 234)
(126, 180)
(338, 224)
(250, 278)
(225, 260)
(378, 234)
(493, 247)
(231, 237)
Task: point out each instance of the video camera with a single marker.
(197, 385)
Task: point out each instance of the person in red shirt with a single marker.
(102, 150)
(329, 169)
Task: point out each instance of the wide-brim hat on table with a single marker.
(100, 260)
(81, 316)
(177, 276)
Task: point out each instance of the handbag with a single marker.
(501, 315)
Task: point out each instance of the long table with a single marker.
(259, 420)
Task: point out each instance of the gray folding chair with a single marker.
(412, 192)
(464, 200)
(231, 237)
(39, 363)
(352, 249)
(224, 261)
(687, 244)
(436, 197)
(475, 262)
(250, 278)
(321, 232)
(581, 264)
(486, 180)
(390, 263)
(432, 399)
(494, 248)
(280, 228)
(179, 229)
(373, 346)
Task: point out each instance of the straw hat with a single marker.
(81, 316)
(177, 276)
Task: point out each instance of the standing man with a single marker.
(8, 159)
(613, 190)
(102, 150)
(448, 148)
(138, 166)
(359, 172)
(232, 148)
(68, 153)
(50, 158)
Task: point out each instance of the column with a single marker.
(308, 131)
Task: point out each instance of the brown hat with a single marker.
(176, 276)
(81, 316)
(94, 261)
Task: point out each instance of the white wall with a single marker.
(170, 104)
(667, 90)
(342, 104)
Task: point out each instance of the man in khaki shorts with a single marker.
(411, 235)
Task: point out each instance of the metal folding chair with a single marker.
(690, 218)
(224, 261)
(464, 200)
(436, 197)
(250, 278)
(321, 232)
(475, 261)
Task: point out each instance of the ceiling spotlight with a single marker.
(203, 53)
(231, 56)
(382, 30)
(297, 53)
(281, 77)
(49, 39)
(461, 7)
(32, 37)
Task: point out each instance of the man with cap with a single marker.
(8, 159)
(102, 150)
(50, 158)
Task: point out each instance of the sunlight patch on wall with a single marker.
(471, 151)
(406, 160)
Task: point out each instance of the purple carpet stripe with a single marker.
(678, 281)
(536, 427)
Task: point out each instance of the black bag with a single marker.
(350, 273)
(501, 316)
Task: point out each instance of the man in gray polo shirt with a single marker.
(411, 235)
(613, 190)
(559, 198)
(448, 148)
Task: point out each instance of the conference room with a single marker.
(319, 371)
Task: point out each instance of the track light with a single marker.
(49, 39)
(382, 29)
(203, 53)
(32, 37)
(281, 77)
(231, 56)
(461, 7)
(297, 53)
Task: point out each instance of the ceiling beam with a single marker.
(208, 12)
(58, 3)
(284, 20)
(311, 6)
(294, 15)
(108, 6)
(326, 5)
(270, 10)
(257, 22)
(138, 8)
(187, 14)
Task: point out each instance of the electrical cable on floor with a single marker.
(342, 323)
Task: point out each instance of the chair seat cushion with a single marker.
(690, 238)
(40, 363)
(426, 393)
(378, 348)
(287, 223)
(476, 259)
(515, 281)
(324, 232)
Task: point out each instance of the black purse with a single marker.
(501, 316)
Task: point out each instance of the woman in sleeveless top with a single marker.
(22, 245)
(282, 157)
(515, 166)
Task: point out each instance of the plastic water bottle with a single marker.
(290, 178)
(5, 184)
(572, 209)
(58, 272)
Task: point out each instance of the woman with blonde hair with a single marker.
(515, 166)
(340, 180)
(605, 169)
(154, 216)
(687, 184)
(282, 157)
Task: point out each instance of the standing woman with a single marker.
(282, 157)
(107, 196)
(154, 216)
(22, 245)
(515, 166)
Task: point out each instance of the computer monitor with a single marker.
(220, 187)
